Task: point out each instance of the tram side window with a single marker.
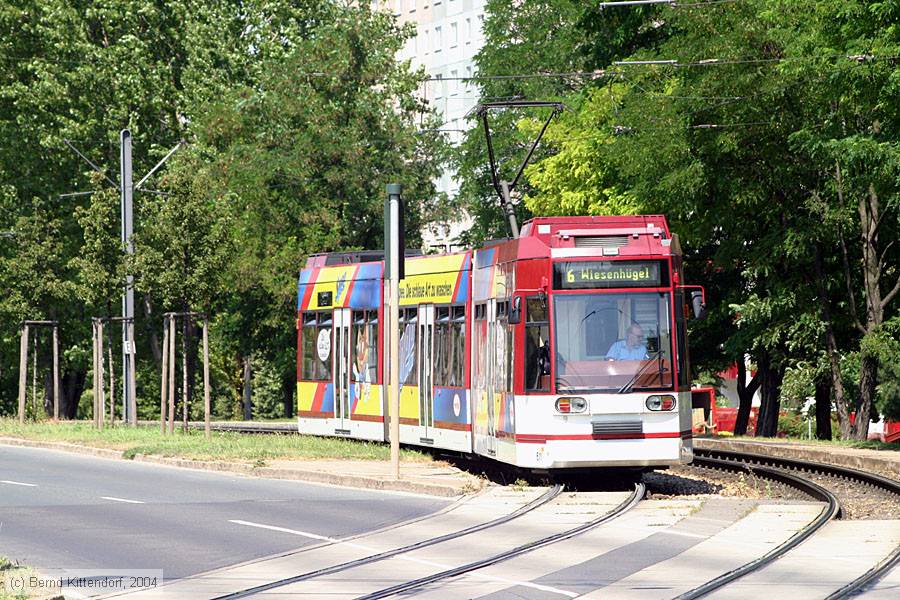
(409, 318)
(316, 346)
(442, 348)
(479, 345)
(458, 346)
(450, 346)
(504, 340)
(537, 345)
(365, 346)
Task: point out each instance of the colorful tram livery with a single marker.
(564, 348)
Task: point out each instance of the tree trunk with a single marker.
(868, 382)
(72, 387)
(823, 408)
(48, 392)
(770, 405)
(192, 360)
(831, 349)
(289, 387)
(248, 398)
(746, 392)
(151, 330)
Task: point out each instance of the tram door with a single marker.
(341, 371)
(490, 376)
(426, 370)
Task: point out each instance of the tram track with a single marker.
(541, 500)
(783, 470)
(633, 499)
(636, 496)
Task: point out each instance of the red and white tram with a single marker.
(564, 348)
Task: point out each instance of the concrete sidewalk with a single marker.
(434, 478)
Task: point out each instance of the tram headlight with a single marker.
(571, 405)
(660, 403)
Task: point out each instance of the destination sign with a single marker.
(608, 274)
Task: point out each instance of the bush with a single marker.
(793, 425)
(267, 393)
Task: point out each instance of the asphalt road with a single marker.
(66, 511)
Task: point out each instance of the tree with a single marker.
(742, 147)
(296, 114)
(300, 162)
(537, 50)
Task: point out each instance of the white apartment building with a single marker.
(448, 35)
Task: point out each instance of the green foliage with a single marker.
(886, 345)
(542, 35)
(739, 149)
(99, 265)
(294, 113)
(183, 244)
(793, 425)
(268, 396)
(798, 385)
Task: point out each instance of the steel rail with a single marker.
(639, 491)
(544, 498)
(869, 577)
(829, 511)
(872, 479)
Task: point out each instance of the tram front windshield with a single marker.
(613, 342)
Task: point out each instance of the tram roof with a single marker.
(541, 237)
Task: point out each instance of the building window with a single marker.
(437, 39)
(454, 34)
(468, 30)
(454, 82)
(439, 86)
(412, 5)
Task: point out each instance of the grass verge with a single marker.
(222, 445)
(865, 445)
(14, 580)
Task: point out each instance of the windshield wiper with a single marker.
(627, 387)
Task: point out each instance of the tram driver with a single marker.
(633, 347)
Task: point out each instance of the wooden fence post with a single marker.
(165, 377)
(206, 401)
(102, 376)
(171, 375)
(56, 372)
(23, 371)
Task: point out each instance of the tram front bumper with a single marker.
(570, 454)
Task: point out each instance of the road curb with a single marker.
(313, 476)
(862, 460)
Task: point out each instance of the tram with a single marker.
(564, 348)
